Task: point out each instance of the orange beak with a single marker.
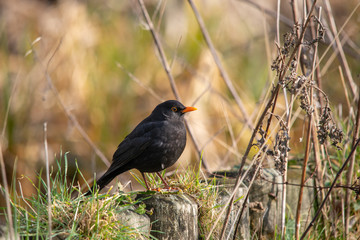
(188, 109)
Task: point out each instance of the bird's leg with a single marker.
(163, 180)
(146, 184)
(167, 188)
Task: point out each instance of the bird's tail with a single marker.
(103, 181)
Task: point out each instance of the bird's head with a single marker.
(171, 109)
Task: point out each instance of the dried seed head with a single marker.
(327, 128)
(281, 149)
(336, 136)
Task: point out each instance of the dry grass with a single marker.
(74, 217)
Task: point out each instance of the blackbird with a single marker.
(156, 143)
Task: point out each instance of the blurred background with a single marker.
(102, 60)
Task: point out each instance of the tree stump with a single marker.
(265, 204)
(139, 222)
(175, 216)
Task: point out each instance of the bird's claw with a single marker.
(167, 189)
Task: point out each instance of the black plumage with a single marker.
(156, 143)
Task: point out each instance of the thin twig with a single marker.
(278, 21)
(308, 142)
(294, 8)
(315, 74)
(306, 186)
(68, 113)
(284, 176)
(269, 12)
(318, 77)
(243, 206)
(288, 110)
(2, 164)
(7, 196)
(350, 171)
(228, 202)
(304, 167)
(48, 181)
(2, 136)
(340, 48)
(331, 187)
(345, 90)
(141, 84)
(160, 49)
(221, 68)
(171, 79)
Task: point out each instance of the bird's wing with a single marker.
(134, 144)
(129, 149)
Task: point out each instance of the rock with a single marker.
(139, 222)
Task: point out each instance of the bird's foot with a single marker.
(167, 189)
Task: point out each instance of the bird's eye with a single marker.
(174, 109)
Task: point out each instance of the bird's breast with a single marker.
(168, 143)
